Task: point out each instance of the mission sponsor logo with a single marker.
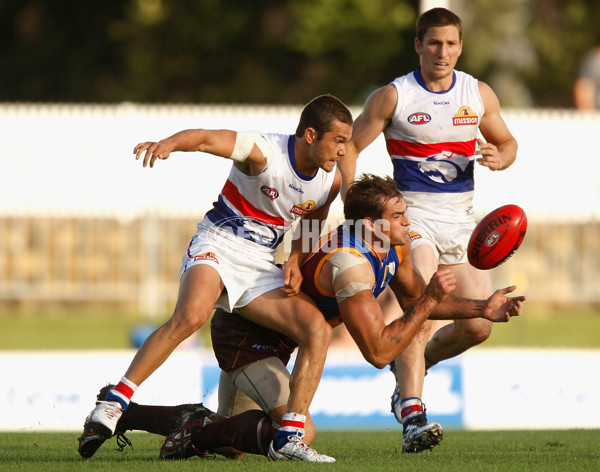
(304, 208)
(465, 116)
(270, 192)
(419, 118)
(207, 256)
(412, 235)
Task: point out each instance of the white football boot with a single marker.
(419, 437)
(296, 450)
(99, 426)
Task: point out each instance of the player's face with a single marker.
(332, 146)
(395, 213)
(440, 49)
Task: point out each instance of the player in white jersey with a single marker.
(230, 261)
(430, 119)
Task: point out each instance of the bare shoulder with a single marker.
(383, 102)
(488, 96)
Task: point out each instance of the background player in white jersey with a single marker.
(430, 118)
(230, 261)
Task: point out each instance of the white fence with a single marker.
(481, 389)
(81, 219)
(77, 160)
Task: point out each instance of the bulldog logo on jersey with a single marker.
(270, 192)
(465, 116)
(303, 208)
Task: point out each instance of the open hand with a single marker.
(154, 150)
(501, 308)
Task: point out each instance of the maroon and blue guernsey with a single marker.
(343, 238)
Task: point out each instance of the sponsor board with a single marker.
(532, 389)
(481, 389)
(55, 391)
(353, 394)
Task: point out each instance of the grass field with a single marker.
(461, 451)
(69, 328)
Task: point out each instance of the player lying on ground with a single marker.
(343, 275)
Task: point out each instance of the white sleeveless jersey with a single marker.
(432, 140)
(260, 209)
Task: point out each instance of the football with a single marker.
(497, 236)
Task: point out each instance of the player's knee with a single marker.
(316, 334)
(321, 334)
(187, 320)
(477, 334)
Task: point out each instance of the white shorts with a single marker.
(447, 240)
(261, 385)
(246, 269)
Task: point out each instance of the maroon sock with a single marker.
(153, 419)
(251, 431)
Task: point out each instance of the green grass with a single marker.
(70, 328)
(545, 326)
(461, 451)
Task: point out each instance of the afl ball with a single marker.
(497, 236)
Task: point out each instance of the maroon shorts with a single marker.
(238, 341)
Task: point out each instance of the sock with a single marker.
(153, 419)
(411, 410)
(250, 432)
(291, 424)
(122, 393)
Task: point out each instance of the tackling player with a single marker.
(230, 261)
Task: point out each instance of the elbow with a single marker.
(378, 361)
(380, 365)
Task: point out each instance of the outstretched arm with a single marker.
(407, 284)
(220, 143)
(376, 115)
(497, 308)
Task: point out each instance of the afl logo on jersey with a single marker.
(272, 193)
(465, 116)
(303, 208)
(419, 118)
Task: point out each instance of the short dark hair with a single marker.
(320, 113)
(368, 195)
(437, 17)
